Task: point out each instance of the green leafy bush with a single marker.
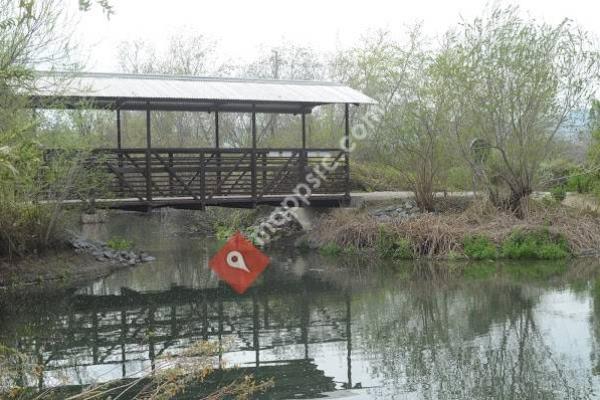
(385, 243)
(479, 247)
(223, 232)
(225, 222)
(331, 249)
(459, 178)
(390, 245)
(538, 244)
(404, 250)
(26, 227)
(559, 193)
(580, 182)
(119, 243)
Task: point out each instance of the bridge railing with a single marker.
(207, 174)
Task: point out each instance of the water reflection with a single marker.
(514, 331)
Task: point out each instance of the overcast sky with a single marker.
(241, 27)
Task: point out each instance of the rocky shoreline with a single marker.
(81, 261)
(104, 253)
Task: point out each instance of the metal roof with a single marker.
(187, 93)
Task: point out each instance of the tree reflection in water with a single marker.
(474, 339)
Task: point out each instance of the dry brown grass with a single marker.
(437, 235)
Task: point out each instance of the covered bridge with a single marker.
(149, 176)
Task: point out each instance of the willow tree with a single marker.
(410, 128)
(515, 82)
(594, 129)
(33, 34)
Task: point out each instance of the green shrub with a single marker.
(28, 228)
(559, 193)
(479, 247)
(385, 243)
(539, 244)
(580, 182)
(404, 250)
(119, 243)
(223, 232)
(390, 245)
(330, 249)
(351, 250)
(459, 178)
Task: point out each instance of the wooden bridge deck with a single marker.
(194, 178)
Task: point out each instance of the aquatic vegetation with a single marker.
(223, 232)
(119, 243)
(330, 249)
(535, 244)
(479, 247)
(390, 245)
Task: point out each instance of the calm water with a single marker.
(320, 325)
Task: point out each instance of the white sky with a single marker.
(240, 27)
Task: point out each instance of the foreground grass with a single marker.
(172, 376)
(478, 233)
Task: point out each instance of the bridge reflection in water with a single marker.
(271, 331)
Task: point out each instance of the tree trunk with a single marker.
(515, 201)
(424, 196)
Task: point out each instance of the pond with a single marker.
(322, 326)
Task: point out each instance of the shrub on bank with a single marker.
(479, 247)
(118, 243)
(330, 249)
(559, 193)
(391, 245)
(581, 180)
(537, 244)
(477, 233)
(27, 228)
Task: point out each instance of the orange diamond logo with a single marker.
(239, 263)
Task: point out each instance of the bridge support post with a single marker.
(253, 162)
(202, 181)
(119, 141)
(119, 147)
(347, 150)
(217, 147)
(303, 155)
(148, 159)
(303, 130)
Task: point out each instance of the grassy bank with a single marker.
(480, 232)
